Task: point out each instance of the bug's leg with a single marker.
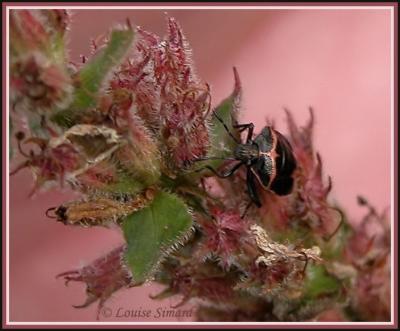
(224, 175)
(252, 188)
(226, 128)
(242, 127)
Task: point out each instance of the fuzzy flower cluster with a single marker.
(39, 79)
(161, 83)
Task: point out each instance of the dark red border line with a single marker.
(205, 324)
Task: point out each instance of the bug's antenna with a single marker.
(48, 210)
(226, 128)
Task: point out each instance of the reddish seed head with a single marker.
(167, 95)
(103, 277)
(40, 84)
(309, 200)
(223, 234)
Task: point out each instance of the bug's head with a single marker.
(245, 152)
(61, 213)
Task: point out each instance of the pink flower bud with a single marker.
(38, 84)
(223, 234)
(166, 95)
(50, 163)
(103, 277)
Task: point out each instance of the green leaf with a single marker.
(57, 49)
(153, 232)
(125, 184)
(94, 72)
(319, 282)
(222, 144)
(93, 75)
(293, 235)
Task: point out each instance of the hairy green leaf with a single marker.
(153, 232)
(319, 282)
(223, 137)
(93, 75)
(125, 184)
(222, 144)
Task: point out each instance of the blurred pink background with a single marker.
(337, 61)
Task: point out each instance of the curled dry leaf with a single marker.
(274, 252)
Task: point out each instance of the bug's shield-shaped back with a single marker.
(285, 165)
(285, 162)
(265, 140)
(262, 170)
(276, 163)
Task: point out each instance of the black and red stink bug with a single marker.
(268, 157)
